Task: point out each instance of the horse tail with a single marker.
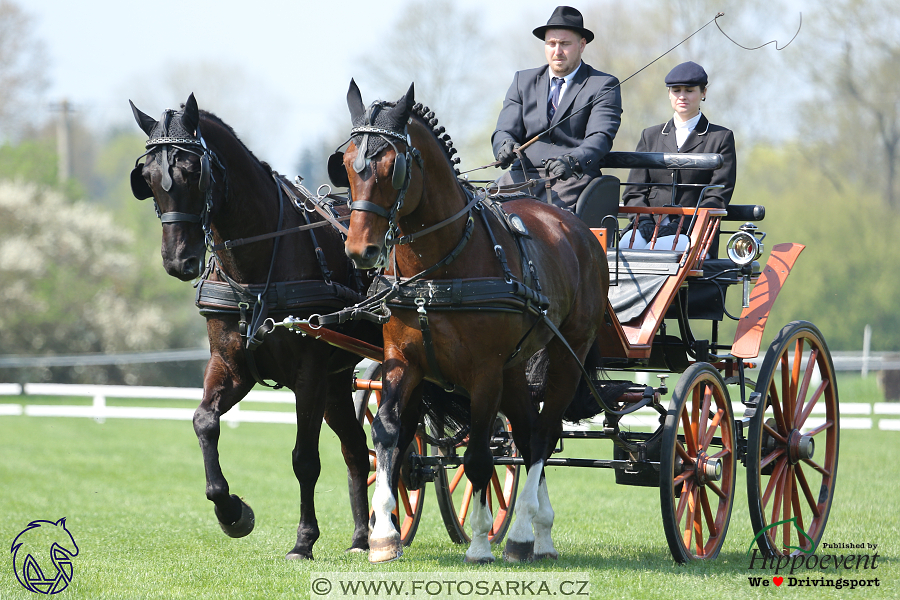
(447, 413)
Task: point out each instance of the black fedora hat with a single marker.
(565, 17)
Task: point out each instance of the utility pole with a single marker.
(63, 145)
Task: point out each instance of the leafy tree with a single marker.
(22, 68)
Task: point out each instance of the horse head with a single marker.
(178, 176)
(377, 168)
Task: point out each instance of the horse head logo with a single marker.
(42, 556)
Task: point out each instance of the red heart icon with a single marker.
(778, 580)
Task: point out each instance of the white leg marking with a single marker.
(383, 502)
(543, 523)
(481, 520)
(526, 506)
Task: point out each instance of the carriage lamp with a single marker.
(743, 248)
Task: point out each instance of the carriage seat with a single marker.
(599, 199)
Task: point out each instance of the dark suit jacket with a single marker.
(587, 136)
(705, 137)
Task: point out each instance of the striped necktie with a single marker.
(555, 87)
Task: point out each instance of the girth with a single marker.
(220, 297)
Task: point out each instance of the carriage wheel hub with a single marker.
(708, 469)
(800, 447)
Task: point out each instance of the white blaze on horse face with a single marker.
(526, 506)
(481, 520)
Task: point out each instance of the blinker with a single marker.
(337, 173)
(204, 172)
(399, 176)
(139, 186)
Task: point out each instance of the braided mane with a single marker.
(426, 116)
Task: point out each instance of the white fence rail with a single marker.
(854, 415)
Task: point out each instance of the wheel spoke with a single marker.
(783, 425)
(812, 403)
(698, 525)
(703, 417)
(683, 500)
(804, 485)
(774, 434)
(683, 453)
(689, 436)
(819, 429)
(501, 501)
(772, 456)
(710, 521)
(776, 409)
(717, 490)
(722, 453)
(689, 519)
(788, 495)
(804, 387)
(459, 475)
(683, 477)
(711, 432)
(795, 377)
(779, 492)
(464, 509)
(795, 500)
(404, 498)
(773, 480)
(817, 467)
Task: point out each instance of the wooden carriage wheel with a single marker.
(410, 502)
(792, 445)
(455, 494)
(697, 465)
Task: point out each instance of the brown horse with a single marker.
(407, 207)
(208, 188)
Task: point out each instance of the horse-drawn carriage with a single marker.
(785, 430)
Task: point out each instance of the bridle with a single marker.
(400, 176)
(193, 145)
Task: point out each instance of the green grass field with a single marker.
(133, 495)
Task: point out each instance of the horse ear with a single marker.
(410, 96)
(145, 122)
(355, 102)
(190, 118)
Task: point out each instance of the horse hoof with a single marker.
(518, 551)
(245, 523)
(485, 560)
(293, 555)
(551, 555)
(385, 550)
(355, 550)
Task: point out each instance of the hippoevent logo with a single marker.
(42, 556)
(808, 569)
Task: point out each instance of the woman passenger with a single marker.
(688, 131)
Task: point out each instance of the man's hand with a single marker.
(559, 168)
(563, 167)
(507, 153)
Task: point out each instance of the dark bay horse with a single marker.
(404, 184)
(208, 188)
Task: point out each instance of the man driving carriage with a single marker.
(582, 105)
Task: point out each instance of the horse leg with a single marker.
(305, 456)
(340, 417)
(479, 467)
(543, 524)
(222, 389)
(384, 539)
(520, 540)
